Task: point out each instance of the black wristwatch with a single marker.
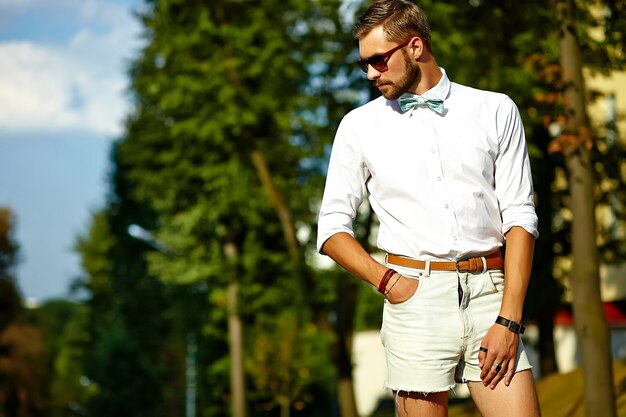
(511, 325)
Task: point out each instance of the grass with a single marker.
(560, 395)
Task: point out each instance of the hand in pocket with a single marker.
(403, 290)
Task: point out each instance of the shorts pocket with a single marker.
(490, 282)
(420, 284)
(496, 279)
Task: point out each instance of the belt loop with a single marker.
(427, 268)
(484, 261)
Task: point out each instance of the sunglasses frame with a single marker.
(380, 60)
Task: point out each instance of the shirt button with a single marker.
(446, 206)
(438, 178)
(433, 150)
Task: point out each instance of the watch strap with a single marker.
(511, 325)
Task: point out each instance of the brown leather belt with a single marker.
(493, 260)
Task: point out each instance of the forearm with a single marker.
(348, 253)
(517, 267)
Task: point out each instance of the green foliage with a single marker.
(601, 26)
(8, 246)
(10, 300)
(22, 371)
(217, 82)
(368, 314)
(94, 250)
(289, 355)
(62, 325)
(131, 330)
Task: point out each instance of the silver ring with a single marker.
(497, 367)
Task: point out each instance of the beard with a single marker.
(411, 76)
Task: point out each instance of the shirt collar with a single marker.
(439, 92)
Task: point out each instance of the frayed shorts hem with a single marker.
(424, 392)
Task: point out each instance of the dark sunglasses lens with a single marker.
(363, 65)
(378, 63)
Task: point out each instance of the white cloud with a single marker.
(76, 84)
(17, 4)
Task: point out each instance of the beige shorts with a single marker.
(431, 340)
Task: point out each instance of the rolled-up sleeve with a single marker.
(513, 178)
(345, 185)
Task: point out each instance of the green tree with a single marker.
(10, 300)
(286, 360)
(61, 326)
(134, 331)
(22, 364)
(225, 147)
(575, 142)
(22, 371)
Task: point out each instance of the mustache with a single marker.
(378, 83)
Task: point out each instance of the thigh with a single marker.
(434, 404)
(519, 399)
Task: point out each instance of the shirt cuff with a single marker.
(522, 216)
(330, 224)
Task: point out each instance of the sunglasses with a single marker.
(379, 61)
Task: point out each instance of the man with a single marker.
(446, 170)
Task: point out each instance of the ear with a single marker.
(417, 47)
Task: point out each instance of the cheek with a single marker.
(395, 77)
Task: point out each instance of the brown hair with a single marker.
(400, 19)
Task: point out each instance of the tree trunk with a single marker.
(544, 292)
(278, 202)
(285, 407)
(346, 307)
(346, 312)
(235, 334)
(589, 320)
(347, 403)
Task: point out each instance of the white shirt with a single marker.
(443, 186)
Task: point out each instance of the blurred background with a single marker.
(161, 167)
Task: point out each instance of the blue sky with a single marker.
(63, 98)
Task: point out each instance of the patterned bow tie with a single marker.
(407, 103)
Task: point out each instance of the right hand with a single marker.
(403, 290)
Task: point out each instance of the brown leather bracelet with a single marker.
(393, 285)
(385, 279)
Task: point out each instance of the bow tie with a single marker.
(407, 103)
